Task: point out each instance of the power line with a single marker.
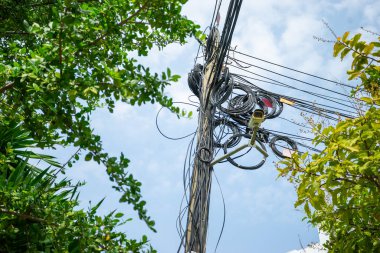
(299, 103)
(275, 82)
(292, 78)
(295, 70)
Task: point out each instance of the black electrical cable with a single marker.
(299, 101)
(168, 137)
(215, 12)
(241, 103)
(288, 134)
(261, 98)
(294, 79)
(220, 95)
(297, 124)
(278, 83)
(321, 96)
(308, 147)
(224, 212)
(228, 29)
(234, 129)
(194, 79)
(251, 167)
(224, 44)
(295, 70)
(290, 142)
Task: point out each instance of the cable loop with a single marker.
(224, 123)
(241, 103)
(208, 154)
(194, 79)
(290, 142)
(234, 163)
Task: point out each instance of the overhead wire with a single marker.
(292, 69)
(295, 123)
(321, 96)
(224, 43)
(293, 78)
(321, 109)
(278, 83)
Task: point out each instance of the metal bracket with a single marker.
(254, 123)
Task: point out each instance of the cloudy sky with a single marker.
(260, 215)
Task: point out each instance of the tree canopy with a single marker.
(39, 213)
(62, 59)
(339, 188)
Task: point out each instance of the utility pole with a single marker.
(215, 53)
(198, 211)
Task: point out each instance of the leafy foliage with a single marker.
(62, 59)
(339, 188)
(39, 213)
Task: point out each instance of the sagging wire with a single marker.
(166, 136)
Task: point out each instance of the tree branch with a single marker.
(356, 51)
(6, 87)
(54, 2)
(23, 216)
(121, 23)
(15, 33)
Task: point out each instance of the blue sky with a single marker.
(260, 216)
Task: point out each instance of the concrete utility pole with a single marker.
(197, 220)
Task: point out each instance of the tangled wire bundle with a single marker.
(235, 101)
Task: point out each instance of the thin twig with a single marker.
(371, 32)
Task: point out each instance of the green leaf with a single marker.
(338, 47)
(88, 157)
(345, 36)
(355, 40)
(368, 49)
(307, 209)
(368, 100)
(344, 53)
(119, 215)
(36, 87)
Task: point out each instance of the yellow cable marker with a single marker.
(288, 102)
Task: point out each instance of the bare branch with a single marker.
(369, 31)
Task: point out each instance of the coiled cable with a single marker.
(244, 167)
